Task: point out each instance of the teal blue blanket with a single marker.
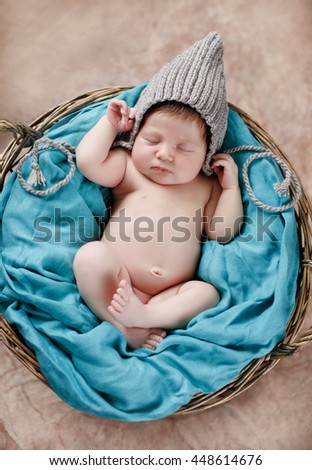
(86, 362)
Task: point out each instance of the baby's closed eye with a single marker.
(185, 148)
(151, 140)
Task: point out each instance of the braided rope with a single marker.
(281, 188)
(36, 176)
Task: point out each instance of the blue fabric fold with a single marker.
(87, 363)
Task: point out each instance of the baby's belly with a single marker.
(155, 262)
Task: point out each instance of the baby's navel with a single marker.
(157, 271)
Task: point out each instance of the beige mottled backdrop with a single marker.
(54, 50)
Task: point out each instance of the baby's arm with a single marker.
(224, 211)
(94, 157)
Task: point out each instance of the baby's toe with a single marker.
(116, 306)
(148, 345)
(119, 299)
(122, 294)
(153, 340)
(159, 332)
(125, 286)
(114, 313)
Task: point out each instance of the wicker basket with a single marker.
(294, 340)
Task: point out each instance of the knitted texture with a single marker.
(195, 78)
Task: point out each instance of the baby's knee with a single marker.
(210, 291)
(213, 294)
(204, 290)
(88, 254)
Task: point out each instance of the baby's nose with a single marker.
(164, 153)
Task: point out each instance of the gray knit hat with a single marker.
(195, 78)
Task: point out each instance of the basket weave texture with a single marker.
(298, 334)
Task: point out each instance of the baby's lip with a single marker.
(161, 169)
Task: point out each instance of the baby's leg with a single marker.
(170, 309)
(98, 272)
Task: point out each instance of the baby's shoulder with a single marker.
(132, 178)
(206, 183)
(202, 188)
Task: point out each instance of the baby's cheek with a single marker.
(140, 162)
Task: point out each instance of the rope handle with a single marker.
(281, 188)
(36, 176)
(19, 130)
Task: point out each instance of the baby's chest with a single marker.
(163, 203)
(145, 198)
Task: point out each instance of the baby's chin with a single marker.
(167, 179)
(161, 173)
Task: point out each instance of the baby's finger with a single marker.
(132, 113)
(115, 103)
(226, 156)
(225, 163)
(218, 169)
(220, 162)
(124, 118)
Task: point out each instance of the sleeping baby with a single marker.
(158, 159)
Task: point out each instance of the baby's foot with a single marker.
(129, 311)
(143, 337)
(126, 308)
(154, 338)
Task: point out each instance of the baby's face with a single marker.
(169, 149)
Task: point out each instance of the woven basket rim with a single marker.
(294, 340)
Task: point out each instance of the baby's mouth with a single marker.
(160, 169)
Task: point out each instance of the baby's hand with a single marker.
(120, 115)
(226, 170)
